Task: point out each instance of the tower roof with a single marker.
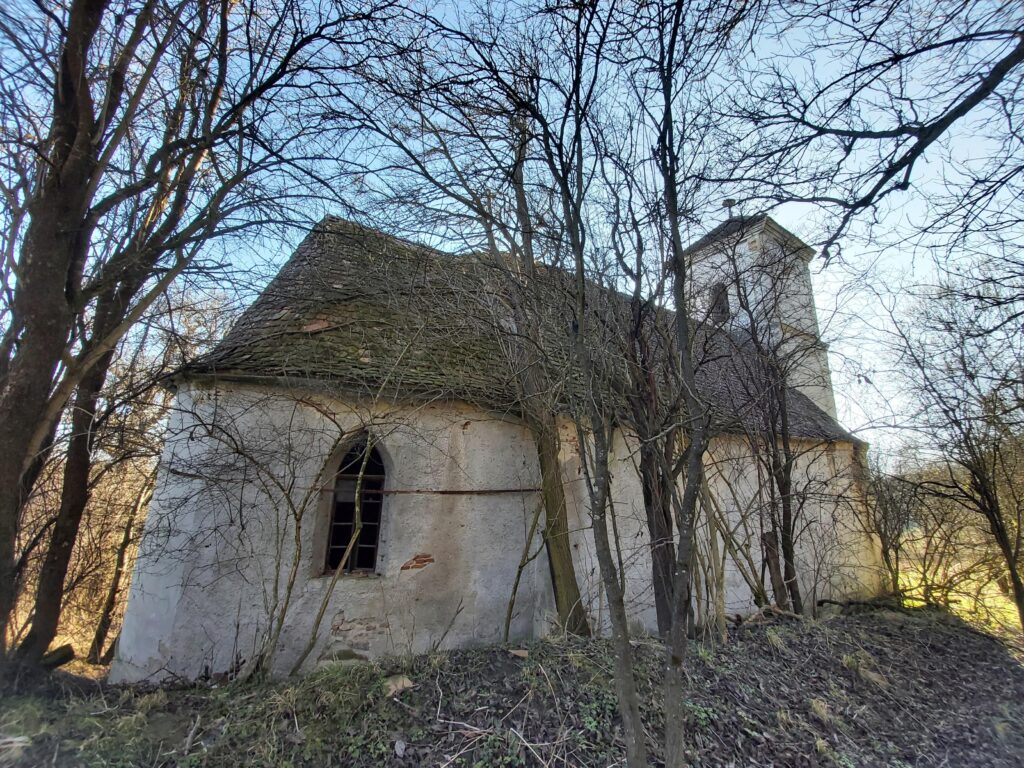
(736, 228)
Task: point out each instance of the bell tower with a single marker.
(752, 276)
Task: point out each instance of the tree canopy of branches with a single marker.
(136, 137)
(863, 101)
(536, 131)
(966, 381)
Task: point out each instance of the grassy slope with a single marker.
(880, 688)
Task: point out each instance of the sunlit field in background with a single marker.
(977, 600)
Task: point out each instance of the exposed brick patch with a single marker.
(419, 560)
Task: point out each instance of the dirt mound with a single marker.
(881, 688)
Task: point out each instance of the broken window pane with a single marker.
(363, 556)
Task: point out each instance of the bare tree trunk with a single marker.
(718, 588)
(556, 532)
(784, 477)
(28, 481)
(1018, 593)
(686, 509)
(22, 402)
(110, 310)
(1002, 537)
(599, 484)
(675, 667)
(108, 655)
(74, 498)
(52, 254)
(789, 558)
(566, 588)
(658, 506)
(696, 432)
(770, 540)
(625, 682)
(99, 639)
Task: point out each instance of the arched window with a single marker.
(344, 509)
(720, 302)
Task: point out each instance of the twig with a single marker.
(440, 696)
(507, 714)
(191, 735)
(529, 746)
(462, 751)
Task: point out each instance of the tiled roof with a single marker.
(742, 226)
(358, 311)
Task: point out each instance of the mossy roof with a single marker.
(358, 311)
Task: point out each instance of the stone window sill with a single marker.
(351, 575)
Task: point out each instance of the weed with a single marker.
(598, 709)
(699, 714)
(561, 702)
(502, 751)
(819, 709)
(706, 654)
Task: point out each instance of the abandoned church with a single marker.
(355, 469)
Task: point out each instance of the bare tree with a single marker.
(455, 117)
(556, 103)
(869, 95)
(966, 383)
(892, 504)
(136, 136)
(684, 41)
(119, 462)
(938, 551)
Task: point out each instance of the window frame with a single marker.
(720, 303)
(374, 495)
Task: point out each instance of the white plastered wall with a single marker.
(220, 541)
(835, 554)
(204, 603)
